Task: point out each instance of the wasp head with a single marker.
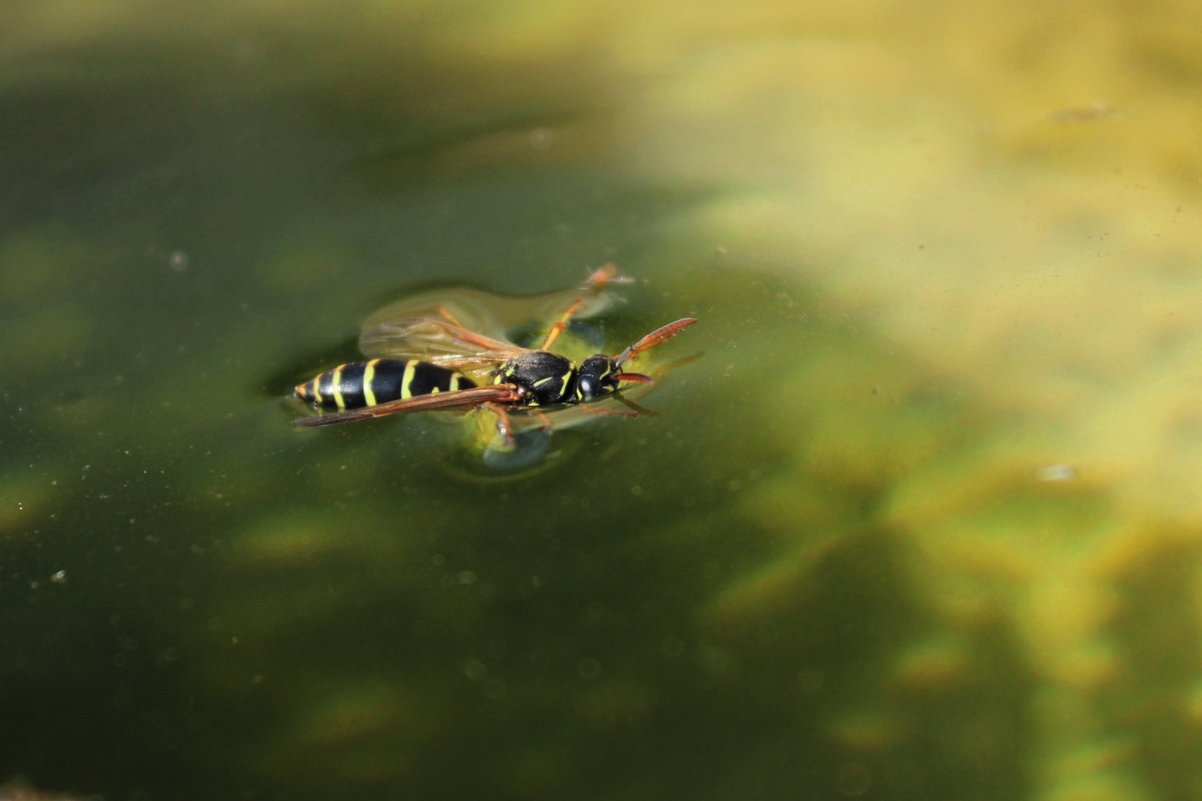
(596, 377)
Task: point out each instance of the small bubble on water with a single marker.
(59, 577)
(178, 261)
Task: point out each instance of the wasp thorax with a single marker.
(596, 377)
(545, 377)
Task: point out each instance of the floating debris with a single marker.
(1059, 472)
(1098, 111)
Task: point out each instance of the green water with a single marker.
(919, 521)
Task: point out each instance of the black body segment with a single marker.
(342, 387)
(544, 377)
(364, 384)
(426, 379)
(595, 377)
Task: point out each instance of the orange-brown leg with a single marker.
(605, 274)
(504, 424)
(600, 412)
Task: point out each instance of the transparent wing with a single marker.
(460, 326)
(436, 340)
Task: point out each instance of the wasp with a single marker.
(430, 360)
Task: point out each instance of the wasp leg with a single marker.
(629, 413)
(636, 410)
(504, 424)
(605, 274)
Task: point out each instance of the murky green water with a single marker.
(921, 521)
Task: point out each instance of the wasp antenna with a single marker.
(656, 337)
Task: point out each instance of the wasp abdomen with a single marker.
(359, 384)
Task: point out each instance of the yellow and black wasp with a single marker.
(424, 357)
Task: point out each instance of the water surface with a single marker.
(920, 522)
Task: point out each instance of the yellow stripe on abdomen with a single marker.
(336, 385)
(369, 372)
(407, 379)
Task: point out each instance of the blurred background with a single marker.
(922, 521)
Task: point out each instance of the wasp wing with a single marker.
(458, 399)
(435, 340)
(442, 324)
